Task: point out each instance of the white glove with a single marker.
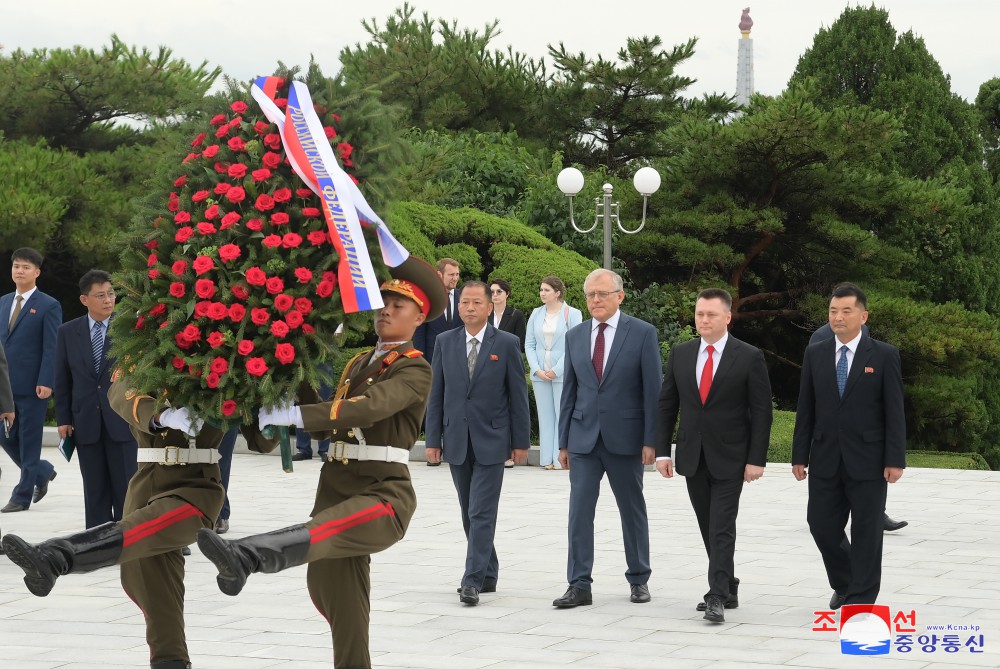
(180, 419)
(283, 414)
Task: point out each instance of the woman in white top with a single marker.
(544, 346)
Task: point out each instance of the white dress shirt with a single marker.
(703, 357)
(13, 303)
(852, 347)
(609, 336)
(478, 337)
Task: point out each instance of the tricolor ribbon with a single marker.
(344, 207)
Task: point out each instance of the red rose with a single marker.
(204, 288)
(310, 212)
(324, 289)
(221, 168)
(303, 305)
(255, 224)
(183, 235)
(229, 220)
(279, 328)
(179, 267)
(274, 285)
(201, 308)
(222, 188)
(212, 212)
(285, 353)
(303, 275)
(182, 217)
(200, 196)
(282, 195)
(189, 157)
(210, 151)
(218, 119)
(271, 241)
(219, 365)
(177, 289)
(308, 329)
(237, 312)
(202, 264)
(329, 132)
(279, 218)
(158, 310)
(264, 202)
(173, 204)
(236, 144)
(237, 171)
(236, 194)
(217, 311)
(291, 240)
(178, 362)
(182, 342)
(154, 274)
(263, 174)
(259, 316)
(191, 333)
(194, 371)
(245, 347)
(229, 407)
(303, 192)
(151, 260)
(212, 380)
(256, 367)
(271, 160)
(345, 150)
(181, 180)
(280, 103)
(240, 291)
(354, 179)
(318, 237)
(152, 244)
(272, 141)
(260, 127)
(283, 302)
(239, 106)
(294, 319)
(229, 252)
(206, 228)
(222, 131)
(216, 339)
(329, 276)
(256, 276)
(199, 140)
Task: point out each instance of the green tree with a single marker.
(988, 105)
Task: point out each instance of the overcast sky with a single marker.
(247, 37)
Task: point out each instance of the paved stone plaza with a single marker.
(945, 566)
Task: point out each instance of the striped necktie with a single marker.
(97, 345)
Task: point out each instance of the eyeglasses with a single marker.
(600, 294)
(110, 295)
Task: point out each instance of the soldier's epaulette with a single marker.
(414, 353)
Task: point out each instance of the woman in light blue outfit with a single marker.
(544, 345)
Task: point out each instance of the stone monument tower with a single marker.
(744, 61)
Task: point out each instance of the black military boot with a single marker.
(267, 553)
(172, 664)
(78, 553)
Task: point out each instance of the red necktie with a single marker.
(599, 352)
(706, 375)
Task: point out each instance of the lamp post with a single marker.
(570, 182)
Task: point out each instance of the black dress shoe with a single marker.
(890, 525)
(640, 594)
(573, 597)
(13, 507)
(433, 464)
(42, 490)
(468, 595)
(172, 664)
(487, 587)
(300, 456)
(222, 526)
(732, 601)
(714, 609)
(186, 550)
(837, 600)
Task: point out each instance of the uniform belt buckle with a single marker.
(339, 452)
(174, 459)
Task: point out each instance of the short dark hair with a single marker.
(91, 278)
(28, 254)
(444, 262)
(475, 284)
(556, 284)
(717, 294)
(504, 286)
(847, 289)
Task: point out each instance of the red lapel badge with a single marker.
(494, 357)
(869, 370)
(32, 311)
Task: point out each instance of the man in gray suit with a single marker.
(607, 424)
(478, 412)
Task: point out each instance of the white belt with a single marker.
(179, 455)
(343, 451)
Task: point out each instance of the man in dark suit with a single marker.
(104, 442)
(850, 431)
(478, 411)
(424, 337)
(6, 397)
(826, 332)
(607, 424)
(719, 386)
(28, 326)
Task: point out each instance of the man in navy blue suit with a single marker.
(28, 326)
(607, 424)
(478, 411)
(104, 444)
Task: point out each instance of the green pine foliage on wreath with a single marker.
(230, 297)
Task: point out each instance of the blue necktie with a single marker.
(842, 370)
(97, 344)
